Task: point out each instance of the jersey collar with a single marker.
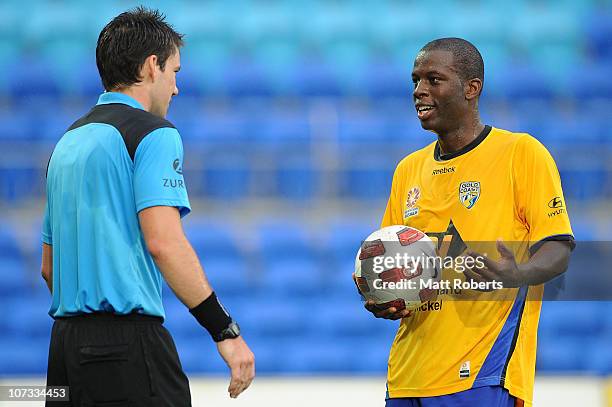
(115, 97)
(438, 156)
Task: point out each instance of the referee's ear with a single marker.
(150, 69)
(473, 89)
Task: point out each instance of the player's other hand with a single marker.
(241, 362)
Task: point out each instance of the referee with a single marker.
(112, 229)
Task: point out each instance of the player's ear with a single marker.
(473, 87)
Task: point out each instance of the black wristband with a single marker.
(211, 315)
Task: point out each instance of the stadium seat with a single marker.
(20, 183)
(227, 178)
(246, 78)
(30, 79)
(231, 276)
(297, 181)
(284, 240)
(312, 77)
(366, 181)
(214, 239)
(291, 278)
(30, 319)
(560, 354)
(23, 356)
(571, 318)
(383, 77)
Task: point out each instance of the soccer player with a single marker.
(475, 183)
(112, 229)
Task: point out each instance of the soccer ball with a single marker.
(395, 267)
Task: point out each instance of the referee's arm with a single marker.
(173, 254)
(176, 259)
(46, 268)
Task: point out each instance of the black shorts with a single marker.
(110, 360)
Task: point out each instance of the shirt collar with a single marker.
(116, 97)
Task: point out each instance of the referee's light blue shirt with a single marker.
(94, 193)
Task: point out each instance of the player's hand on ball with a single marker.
(386, 313)
(505, 270)
(241, 362)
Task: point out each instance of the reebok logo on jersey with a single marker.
(443, 171)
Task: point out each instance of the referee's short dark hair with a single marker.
(467, 58)
(125, 43)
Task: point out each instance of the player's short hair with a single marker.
(131, 37)
(467, 58)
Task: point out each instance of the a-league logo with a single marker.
(469, 192)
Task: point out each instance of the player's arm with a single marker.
(549, 261)
(541, 208)
(46, 267)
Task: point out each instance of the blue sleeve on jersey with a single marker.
(158, 172)
(46, 226)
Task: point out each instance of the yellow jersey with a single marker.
(502, 185)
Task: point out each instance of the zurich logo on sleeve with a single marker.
(177, 166)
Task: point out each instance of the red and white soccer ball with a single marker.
(392, 269)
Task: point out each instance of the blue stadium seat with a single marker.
(230, 276)
(218, 126)
(227, 178)
(595, 82)
(367, 181)
(524, 81)
(297, 181)
(30, 319)
(213, 239)
(245, 78)
(584, 183)
(291, 278)
(285, 240)
(560, 354)
(23, 356)
(199, 355)
(344, 238)
(598, 355)
(31, 79)
(278, 126)
(179, 321)
(17, 124)
(313, 77)
(340, 320)
(572, 319)
(268, 316)
(362, 127)
(14, 279)
(20, 183)
(385, 78)
(599, 33)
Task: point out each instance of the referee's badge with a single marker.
(469, 192)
